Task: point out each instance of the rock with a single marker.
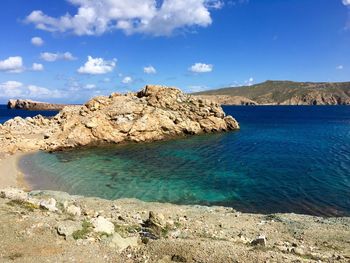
(155, 224)
(33, 105)
(298, 251)
(154, 113)
(102, 225)
(49, 205)
(121, 243)
(259, 241)
(74, 210)
(14, 194)
(67, 228)
(229, 100)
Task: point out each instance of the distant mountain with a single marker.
(283, 93)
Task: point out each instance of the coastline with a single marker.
(10, 174)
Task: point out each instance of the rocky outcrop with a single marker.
(317, 98)
(154, 113)
(230, 100)
(34, 105)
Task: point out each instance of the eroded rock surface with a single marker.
(33, 105)
(154, 113)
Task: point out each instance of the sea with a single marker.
(6, 114)
(292, 159)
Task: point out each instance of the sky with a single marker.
(71, 50)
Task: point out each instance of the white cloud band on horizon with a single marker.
(15, 89)
(132, 16)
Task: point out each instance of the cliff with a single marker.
(229, 100)
(154, 113)
(285, 93)
(34, 105)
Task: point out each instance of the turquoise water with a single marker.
(284, 159)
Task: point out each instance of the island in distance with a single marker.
(266, 93)
(34, 105)
(282, 93)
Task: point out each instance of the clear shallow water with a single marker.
(284, 159)
(6, 114)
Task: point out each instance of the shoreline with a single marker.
(10, 173)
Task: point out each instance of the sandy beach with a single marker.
(10, 175)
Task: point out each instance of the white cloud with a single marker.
(346, 2)
(15, 89)
(340, 67)
(90, 86)
(37, 41)
(95, 66)
(10, 89)
(51, 57)
(37, 67)
(149, 70)
(127, 80)
(196, 88)
(201, 68)
(12, 64)
(249, 82)
(132, 16)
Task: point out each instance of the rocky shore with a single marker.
(44, 226)
(34, 105)
(154, 113)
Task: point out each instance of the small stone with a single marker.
(67, 228)
(298, 251)
(121, 243)
(13, 193)
(102, 225)
(74, 210)
(259, 241)
(49, 205)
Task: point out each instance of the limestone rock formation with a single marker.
(34, 105)
(229, 100)
(154, 113)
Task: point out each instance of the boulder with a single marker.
(102, 225)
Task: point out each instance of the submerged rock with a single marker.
(154, 113)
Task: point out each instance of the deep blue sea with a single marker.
(6, 114)
(284, 159)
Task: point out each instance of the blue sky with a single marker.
(71, 50)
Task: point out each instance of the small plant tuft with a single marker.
(23, 204)
(84, 232)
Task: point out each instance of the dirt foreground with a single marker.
(44, 226)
